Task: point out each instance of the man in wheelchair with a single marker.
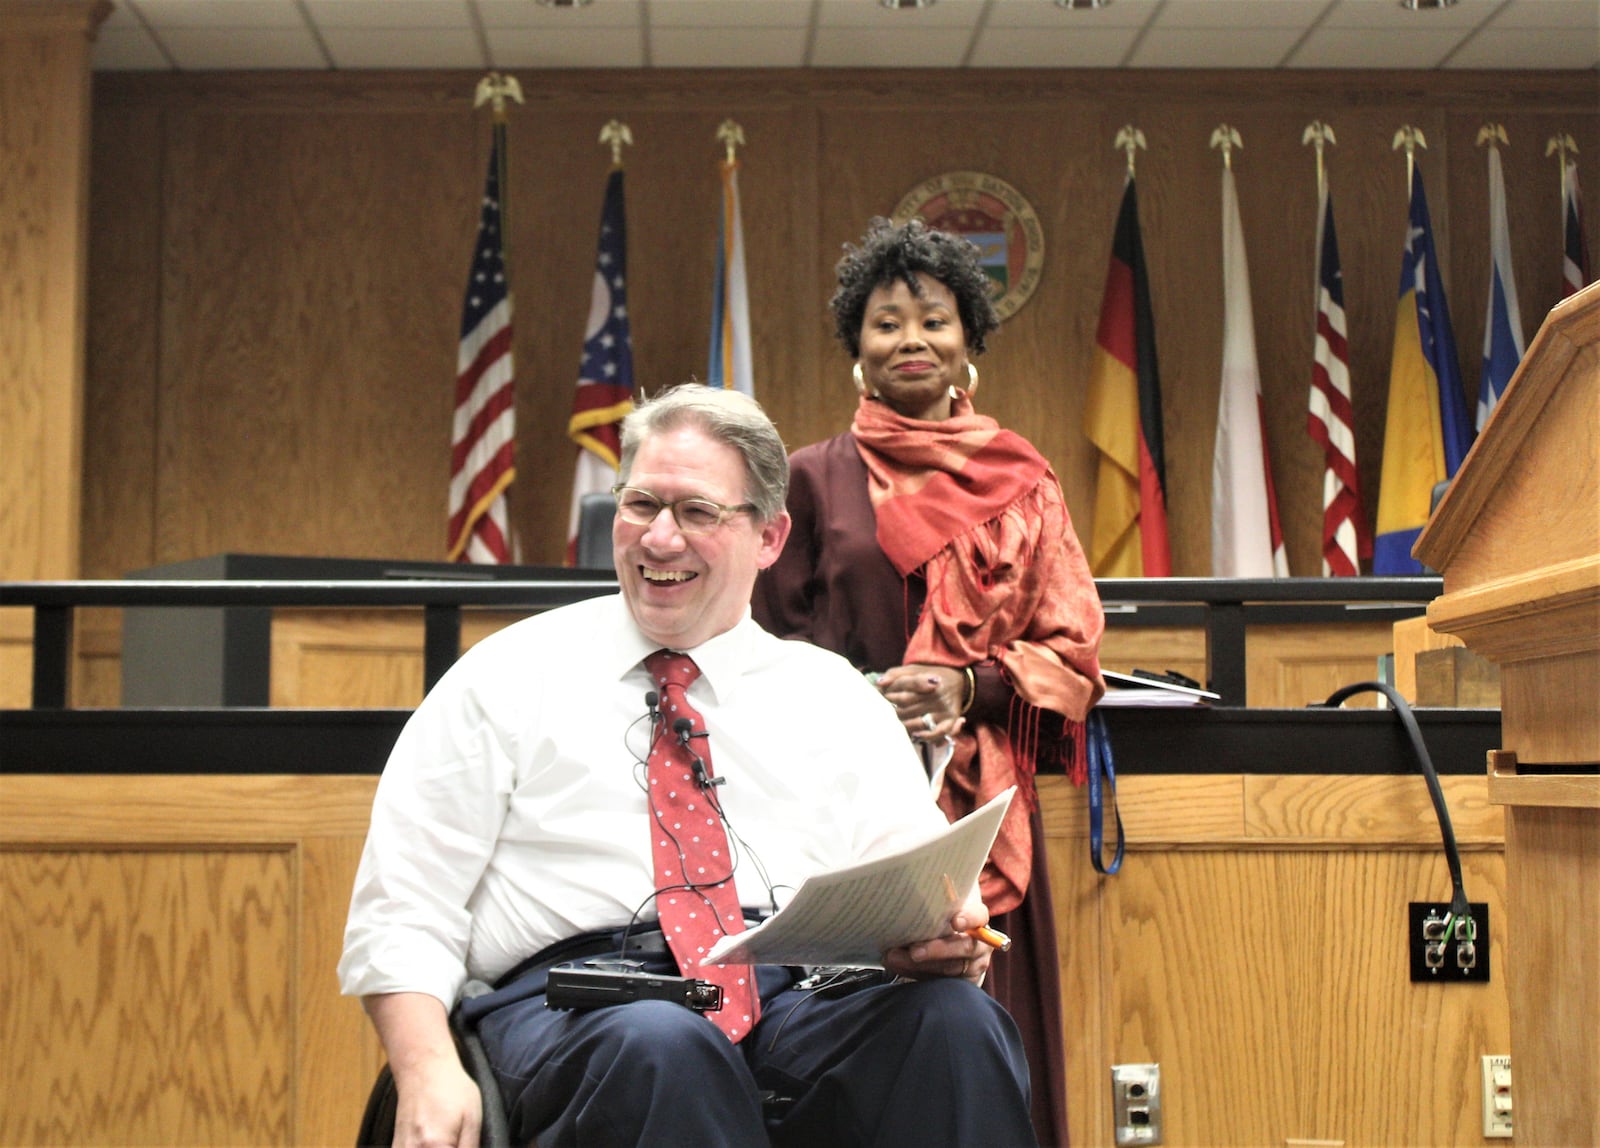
(577, 797)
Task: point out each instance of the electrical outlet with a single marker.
(1445, 951)
(1136, 1103)
(1497, 1097)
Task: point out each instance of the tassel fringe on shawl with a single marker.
(980, 512)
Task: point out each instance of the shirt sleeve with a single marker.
(435, 819)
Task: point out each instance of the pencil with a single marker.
(994, 938)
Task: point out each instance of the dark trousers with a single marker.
(936, 1063)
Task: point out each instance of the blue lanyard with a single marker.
(1100, 762)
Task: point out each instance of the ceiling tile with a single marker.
(1215, 48)
(1045, 14)
(121, 16)
(1549, 14)
(390, 13)
(206, 49)
(1351, 48)
(1389, 14)
(1053, 47)
(571, 48)
(395, 47)
(220, 13)
(871, 14)
(728, 13)
(1529, 48)
(728, 47)
(877, 48)
(1240, 13)
(527, 14)
(127, 50)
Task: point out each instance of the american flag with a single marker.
(605, 375)
(1575, 255)
(483, 439)
(1346, 538)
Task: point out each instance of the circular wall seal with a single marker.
(991, 213)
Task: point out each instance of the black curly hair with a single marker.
(889, 252)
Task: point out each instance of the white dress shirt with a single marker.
(511, 812)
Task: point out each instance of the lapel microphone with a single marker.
(683, 727)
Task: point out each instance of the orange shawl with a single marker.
(980, 512)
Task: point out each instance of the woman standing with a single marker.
(934, 548)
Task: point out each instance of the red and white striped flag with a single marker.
(483, 438)
(1346, 537)
(1246, 538)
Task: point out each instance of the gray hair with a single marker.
(730, 417)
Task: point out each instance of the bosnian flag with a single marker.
(730, 303)
(1502, 327)
(1246, 539)
(1426, 430)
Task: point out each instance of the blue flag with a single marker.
(1502, 326)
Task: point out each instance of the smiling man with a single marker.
(614, 784)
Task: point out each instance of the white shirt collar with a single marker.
(722, 659)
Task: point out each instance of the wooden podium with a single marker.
(1517, 539)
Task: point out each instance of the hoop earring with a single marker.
(860, 379)
(972, 378)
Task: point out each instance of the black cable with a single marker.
(1459, 906)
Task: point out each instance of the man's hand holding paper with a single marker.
(955, 954)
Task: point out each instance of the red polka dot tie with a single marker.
(695, 895)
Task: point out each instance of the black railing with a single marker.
(1223, 607)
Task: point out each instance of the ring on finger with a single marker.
(928, 723)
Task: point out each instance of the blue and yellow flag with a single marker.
(1427, 432)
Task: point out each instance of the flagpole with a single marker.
(1128, 139)
(1227, 138)
(616, 134)
(1319, 135)
(1410, 138)
(494, 90)
(1560, 145)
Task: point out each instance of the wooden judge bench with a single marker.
(1518, 542)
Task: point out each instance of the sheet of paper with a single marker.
(853, 916)
(1125, 690)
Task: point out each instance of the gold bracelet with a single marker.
(972, 689)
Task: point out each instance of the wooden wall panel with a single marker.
(44, 165)
(1254, 945)
(157, 999)
(311, 294)
(303, 364)
(123, 344)
(178, 938)
(1292, 666)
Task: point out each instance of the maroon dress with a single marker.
(833, 587)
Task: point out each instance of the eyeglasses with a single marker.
(693, 515)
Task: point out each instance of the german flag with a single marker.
(1122, 417)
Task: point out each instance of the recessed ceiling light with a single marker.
(565, 3)
(1422, 5)
(1082, 3)
(907, 3)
